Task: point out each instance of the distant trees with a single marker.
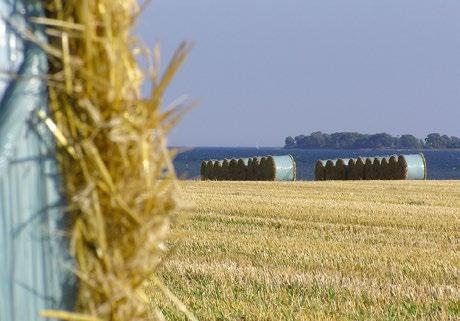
(353, 140)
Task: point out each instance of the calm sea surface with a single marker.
(442, 164)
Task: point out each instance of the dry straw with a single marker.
(117, 171)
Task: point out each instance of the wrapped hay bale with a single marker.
(320, 168)
(280, 168)
(340, 169)
(232, 169)
(369, 169)
(329, 172)
(411, 167)
(241, 169)
(203, 170)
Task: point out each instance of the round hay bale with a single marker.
(261, 169)
(412, 167)
(249, 176)
(329, 169)
(320, 170)
(340, 169)
(210, 170)
(241, 169)
(369, 169)
(280, 168)
(377, 168)
(356, 168)
(392, 167)
(232, 169)
(351, 168)
(254, 169)
(224, 171)
(217, 170)
(203, 170)
(385, 168)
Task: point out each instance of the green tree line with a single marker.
(353, 140)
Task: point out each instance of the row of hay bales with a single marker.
(393, 167)
(264, 168)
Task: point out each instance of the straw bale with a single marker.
(320, 170)
(329, 173)
(393, 167)
(385, 170)
(249, 175)
(269, 169)
(117, 170)
(241, 169)
(340, 169)
(401, 172)
(377, 168)
(254, 168)
(203, 170)
(232, 169)
(217, 170)
(260, 173)
(356, 169)
(351, 168)
(225, 169)
(369, 169)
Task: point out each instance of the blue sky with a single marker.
(266, 69)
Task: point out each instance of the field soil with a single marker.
(361, 250)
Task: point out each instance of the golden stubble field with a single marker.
(362, 250)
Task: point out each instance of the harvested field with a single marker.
(362, 250)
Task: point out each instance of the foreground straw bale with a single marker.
(336, 250)
(117, 171)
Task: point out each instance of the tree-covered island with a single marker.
(353, 140)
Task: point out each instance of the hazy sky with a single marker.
(266, 69)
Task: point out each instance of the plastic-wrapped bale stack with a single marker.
(280, 168)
